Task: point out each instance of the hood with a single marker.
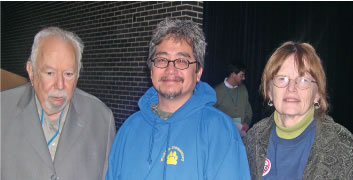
(204, 95)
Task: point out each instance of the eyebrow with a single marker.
(183, 54)
(47, 67)
(178, 54)
(52, 68)
(160, 53)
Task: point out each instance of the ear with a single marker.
(151, 72)
(269, 93)
(29, 68)
(232, 74)
(317, 98)
(198, 74)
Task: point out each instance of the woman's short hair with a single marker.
(307, 61)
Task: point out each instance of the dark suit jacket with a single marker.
(83, 147)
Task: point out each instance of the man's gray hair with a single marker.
(59, 33)
(179, 30)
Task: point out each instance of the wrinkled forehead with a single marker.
(56, 42)
(177, 38)
(301, 65)
(177, 43)
(56, 50)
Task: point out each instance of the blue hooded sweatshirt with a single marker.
(198, 142)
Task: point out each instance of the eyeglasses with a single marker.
(300, 82)
(178, 63)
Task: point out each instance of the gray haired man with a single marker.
(50, 128)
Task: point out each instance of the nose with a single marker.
(171, 66)
(292, 85)
(59, 82)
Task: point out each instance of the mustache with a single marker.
(174, 78)
(57, 94)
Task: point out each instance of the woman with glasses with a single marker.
(299, 140)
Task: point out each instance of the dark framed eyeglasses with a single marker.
(180, 63)
(300, 82)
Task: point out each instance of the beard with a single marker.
(170, 94)
(54, 108)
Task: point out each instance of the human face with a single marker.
(239, 78)
(55, 76)
(291, 102)
(172, 83)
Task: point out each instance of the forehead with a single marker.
(56, 50)
(174, 46)
(289, 65)
(292, 64)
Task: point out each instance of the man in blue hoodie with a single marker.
(178, 134)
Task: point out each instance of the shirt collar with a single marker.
(228, 85)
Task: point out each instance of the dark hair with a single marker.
(235, 67)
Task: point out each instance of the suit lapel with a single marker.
(72, 130)
(32, 128)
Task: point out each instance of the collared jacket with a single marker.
(84, 143)
(196, 142)
(331, 156)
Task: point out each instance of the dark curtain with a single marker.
(251, 31)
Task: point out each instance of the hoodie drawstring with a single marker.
(166, 151)
(151, 145)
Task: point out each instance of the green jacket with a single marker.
(331, 156)
(233, 106)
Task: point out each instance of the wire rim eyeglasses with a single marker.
(300, 82)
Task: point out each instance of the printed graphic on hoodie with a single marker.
(175, 155)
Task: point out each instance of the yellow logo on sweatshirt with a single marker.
(173, 157)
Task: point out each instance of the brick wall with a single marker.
(116, 36)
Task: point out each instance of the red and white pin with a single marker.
(267, 167)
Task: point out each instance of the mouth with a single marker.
(57, 100)
(171, 79)
(291, 100)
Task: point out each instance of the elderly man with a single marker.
(50, 128)
(178, 134)
(232, 97)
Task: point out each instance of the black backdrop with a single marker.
(250, 32)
